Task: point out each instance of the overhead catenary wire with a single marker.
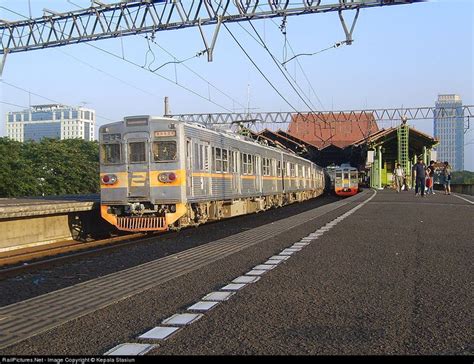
(335, 45)
(258, 68)
(281, 27)
(16, 105)
(43, 97)
(137, 65)
(280, 68)
(311, 108)
(161, 76)
(264, 76)
(108, 74)
(199, 76)
(262, 43)
(287, 42)
(176, 61)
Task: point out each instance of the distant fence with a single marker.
(459, 188)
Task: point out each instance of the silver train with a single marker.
(158, 174)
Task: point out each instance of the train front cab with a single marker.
(346, 182)
(143, 180)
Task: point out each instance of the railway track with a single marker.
(30, 317)
(33, 257)
(20, 260)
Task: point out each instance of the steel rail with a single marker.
(29, 256)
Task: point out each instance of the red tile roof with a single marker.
(339, 129)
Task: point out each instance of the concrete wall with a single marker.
(30, 231)
(33, 231)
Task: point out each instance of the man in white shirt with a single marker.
(399, 174)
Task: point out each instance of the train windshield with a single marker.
(137, 152)
(164, 151)
(111, 153)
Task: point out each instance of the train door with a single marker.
(234, 170)
(346, 178)
(303, 176)
(200, 177)
(207, 168)
(189, 169)
(339, 174)
(138, 166)
(258, 174)
(281, 173)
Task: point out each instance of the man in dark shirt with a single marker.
(419, 171)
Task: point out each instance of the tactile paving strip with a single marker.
(31, 317)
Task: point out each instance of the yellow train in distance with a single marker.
(344, 180)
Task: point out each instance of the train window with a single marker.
(137, 152)
(244, 164)
(164, 151)
(218, 160)
(111, 153)
(266, 166)
(292, 170)
(354, 177)
(279, 168)
(225, 160)
(247, 163)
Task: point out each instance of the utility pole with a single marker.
(167, 106)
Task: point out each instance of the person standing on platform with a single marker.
(430, 177)
(447, 178)
(419, 173)
(399, 174)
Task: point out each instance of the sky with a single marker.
(402, 56)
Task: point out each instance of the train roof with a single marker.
(224, 132)
(347, 167)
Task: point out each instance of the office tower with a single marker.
(51, 121)
(449, 130)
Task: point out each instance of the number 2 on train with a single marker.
(138, 179)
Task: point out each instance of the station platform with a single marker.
(378, 273)
(30, 222)
(26, 207)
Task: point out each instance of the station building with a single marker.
(51, 121)
(356, 139)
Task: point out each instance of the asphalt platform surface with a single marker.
(395, 277)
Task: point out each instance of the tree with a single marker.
(49, 167)
(17, 177)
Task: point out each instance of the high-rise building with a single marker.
(449, 130)
(51, 121)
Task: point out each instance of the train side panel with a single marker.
(159, 173)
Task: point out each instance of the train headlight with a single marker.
(109, 179)
(167, 177)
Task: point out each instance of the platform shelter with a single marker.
(387, 147)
